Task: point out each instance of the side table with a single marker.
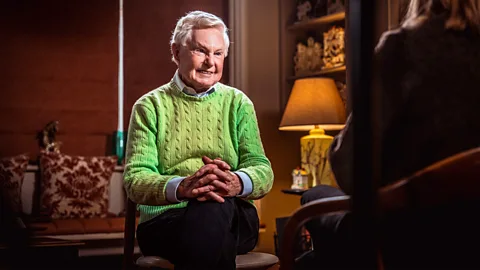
(294, 191)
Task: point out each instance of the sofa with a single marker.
(42, 200)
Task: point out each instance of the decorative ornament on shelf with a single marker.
(300, 179)
(47, 137)
(335, 6)
(310, 9)
(342, 90)
(334, 47)
(303, 8)
(308, 58)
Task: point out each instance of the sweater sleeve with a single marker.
(252, 158)
(142, 180)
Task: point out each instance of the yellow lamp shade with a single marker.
(314, 102)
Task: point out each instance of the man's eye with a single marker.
(199, 51)
(219, 54)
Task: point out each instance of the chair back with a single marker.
(129, 235)
(428, 219)
(448, 182)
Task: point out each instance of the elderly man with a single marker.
(195, 159)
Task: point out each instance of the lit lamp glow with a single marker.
(315, 106)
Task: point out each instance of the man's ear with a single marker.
(175, 51)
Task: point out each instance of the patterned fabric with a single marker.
(75, 186)
(12, 171)
(170, 131)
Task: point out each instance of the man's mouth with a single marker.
(205, 72)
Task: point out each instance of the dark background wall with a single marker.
(148, 28)
(59, 61)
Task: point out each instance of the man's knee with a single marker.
(208, 223)
(212, 210)
(213, 205)
(320, 192)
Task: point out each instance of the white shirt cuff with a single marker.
(247, 184)
(171, 190)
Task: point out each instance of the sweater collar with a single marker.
(188, 90)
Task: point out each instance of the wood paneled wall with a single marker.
(59, 61)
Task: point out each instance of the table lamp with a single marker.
(315, 105)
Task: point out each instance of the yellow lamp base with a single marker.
(314, 149)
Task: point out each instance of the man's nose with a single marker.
(209, 60)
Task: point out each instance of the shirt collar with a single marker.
(189, 90)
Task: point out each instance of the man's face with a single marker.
(200, 62)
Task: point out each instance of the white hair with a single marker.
(197, 20)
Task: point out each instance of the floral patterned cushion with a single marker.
(12, 171)
(75, 186)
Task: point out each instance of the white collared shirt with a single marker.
(189, 90)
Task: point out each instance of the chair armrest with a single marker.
(300, 217)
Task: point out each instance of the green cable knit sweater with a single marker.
(170, 131)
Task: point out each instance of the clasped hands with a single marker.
(213, 181)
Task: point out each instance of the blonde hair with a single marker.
(462, 13)
(197, 20)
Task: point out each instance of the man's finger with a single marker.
(201, 190)
(206, 179)
(218, 161)
(219, 185)
(205, 169)
(213, 196)
(206, 160)
(202, 198)
(221, 164)
(224, 176)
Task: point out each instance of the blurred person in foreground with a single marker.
(428, 71)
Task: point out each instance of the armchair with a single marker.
(451, 184)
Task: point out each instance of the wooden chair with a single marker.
(445, 183)
(251, 260)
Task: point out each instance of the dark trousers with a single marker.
(204, 235)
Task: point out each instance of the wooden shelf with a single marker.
(324, 73)
(290, 33)
(318, 21)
